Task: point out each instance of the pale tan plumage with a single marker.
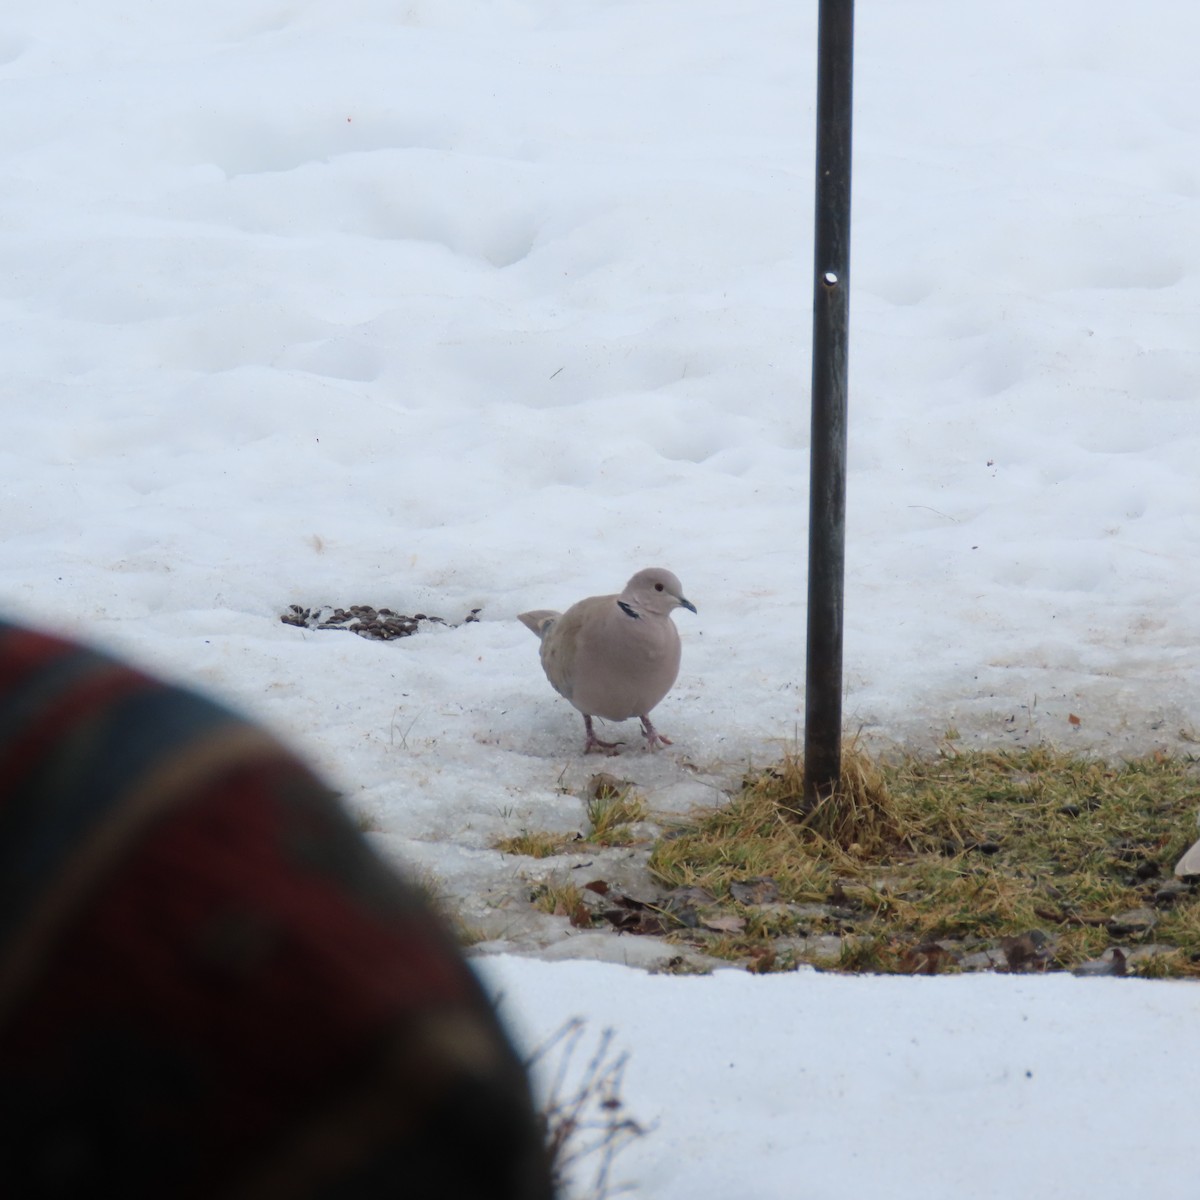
(615, 657)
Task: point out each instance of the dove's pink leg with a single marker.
(652, 736)
(594, 743)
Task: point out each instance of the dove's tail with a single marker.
(539, 621)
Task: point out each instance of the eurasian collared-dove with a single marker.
(615, 657)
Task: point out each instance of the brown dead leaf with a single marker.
(759, 890)
(762, 959)
(645, 921)
(684, 904)
(628, 914)
(603, 786)
(926, 959)
(723, 923)
(678, 897)
(1030, 951)
(579, 915)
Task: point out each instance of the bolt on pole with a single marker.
(827, 480)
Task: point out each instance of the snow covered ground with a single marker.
(813, 1086)
(454, 304)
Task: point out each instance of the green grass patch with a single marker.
(963, 848)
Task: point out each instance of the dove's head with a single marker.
(655, 590)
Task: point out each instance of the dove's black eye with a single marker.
(658, 587)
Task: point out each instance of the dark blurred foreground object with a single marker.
(209, 985)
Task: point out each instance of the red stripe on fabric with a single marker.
(82, 697)
(218, 943)
(24, 652)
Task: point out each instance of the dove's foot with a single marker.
(654, 739)
(594, 743)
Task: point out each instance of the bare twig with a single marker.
(585, 1117)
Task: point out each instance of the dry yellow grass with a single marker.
(973, 847)
(610, 815)
(534, 843)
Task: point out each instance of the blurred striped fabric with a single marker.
(209, 984)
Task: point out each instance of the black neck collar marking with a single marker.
(628, 610)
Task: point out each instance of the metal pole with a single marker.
(827, 481)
